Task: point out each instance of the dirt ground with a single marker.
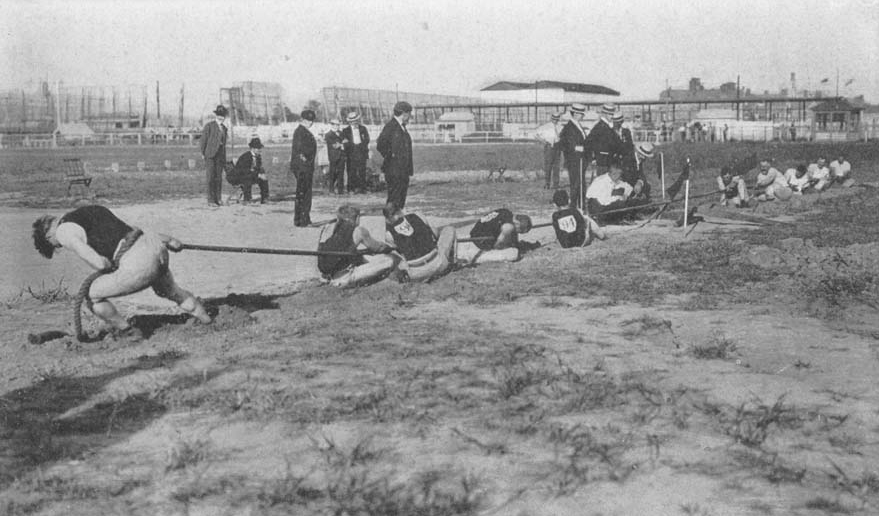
(469, 395)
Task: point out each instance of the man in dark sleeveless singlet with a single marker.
(348, 236)
(427, 256)
(99, 238)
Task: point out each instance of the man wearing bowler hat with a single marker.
(249, 170)
(395, 146)
(603, 144)
(572, 138)
(213, 149)
(304, 150)
(356, 141)
(548, 134)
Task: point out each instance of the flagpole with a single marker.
(686, 201)
(662, 173)
(837, 82)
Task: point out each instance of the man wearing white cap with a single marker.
(336, 156)
(603, 144)
(633, 170)
(548, 134)
(572, 139)
(357, 150)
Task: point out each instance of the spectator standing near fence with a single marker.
(572, 141)
(548, 134)
(304, 150)
(395, 146)
(336, 157)
(356, 139)
(213, 149)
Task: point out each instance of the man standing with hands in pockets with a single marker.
(395, 146)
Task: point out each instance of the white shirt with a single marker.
(840, 169)
(819, 173)
(771, 176)
(355, 134)
(548, 133)
(605, 190)
(796, 183)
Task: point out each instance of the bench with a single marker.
(74, 173)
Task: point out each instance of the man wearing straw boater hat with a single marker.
(633, 170)
(356, 141)
(572, 139)
(548, 134)
(212, 145)
(603, 144)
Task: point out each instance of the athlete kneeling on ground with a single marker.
(426, 255)
(496, 238)
(356, 269)
(134, 260)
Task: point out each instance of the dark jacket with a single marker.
(305, 146)
(246, 166)
(603, 145)
(395, 146)
(213, 136)
(332, 138)
(361, 151)
(569, 138)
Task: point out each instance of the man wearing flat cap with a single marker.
(395, 146)
(548, 134)
(213, 149)
(572, 139)
(248, 170)
(336, 155)
(304, 150)
(356, 141)
(603, 144)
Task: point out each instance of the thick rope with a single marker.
(82, 296)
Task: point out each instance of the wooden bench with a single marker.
(74, 173)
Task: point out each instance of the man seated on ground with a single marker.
(841, 172)
(572, 229)
(248, 170)
(496, 238)
(735, 191)
(357, 268)
(798, 179)
(426, 255)
(819, 174)
(609, 193)
(773, 183)
(133, 260)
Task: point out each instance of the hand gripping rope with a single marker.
(83, 294)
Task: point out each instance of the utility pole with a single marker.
(837, 82)
(180, 110)
(738, 97)
(158, 104)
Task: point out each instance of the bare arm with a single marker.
(72, 236)
(507, 237)
(362, 236)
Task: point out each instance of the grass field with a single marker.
(728, 372)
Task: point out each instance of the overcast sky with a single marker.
(434, 46)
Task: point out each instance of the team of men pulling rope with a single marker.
(128, 260)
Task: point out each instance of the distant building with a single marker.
(697, 91)
(836, 119)
(547, 91)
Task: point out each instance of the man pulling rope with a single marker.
(126, 259)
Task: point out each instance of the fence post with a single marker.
(139, 141)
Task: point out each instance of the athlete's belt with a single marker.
(418, 262)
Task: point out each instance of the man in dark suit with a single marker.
(302, 156)
(248, 170)
(336, 156)
(571, 142)
(603, 144)
(213, 148)
(395, 146)
(356, 139)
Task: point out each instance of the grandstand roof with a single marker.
(574, 87)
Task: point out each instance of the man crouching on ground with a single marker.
(427, 256)
(134, 260)
(355, 269)
(496, 238)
